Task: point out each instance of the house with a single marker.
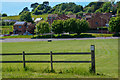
(10, 20)
(23, 28)
(51, 18)
(99, 20)
(38, 20)
(72, 16)
(62, 17)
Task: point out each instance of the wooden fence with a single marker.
(51, 59)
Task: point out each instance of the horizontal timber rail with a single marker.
(44, 53)
(45, 61)
(51, 59)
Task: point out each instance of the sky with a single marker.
(52, 0)
(47, 0)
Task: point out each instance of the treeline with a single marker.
(63, 26)
(66, 8)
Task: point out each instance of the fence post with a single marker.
(93, 58)
(51, 61)
(23, 59)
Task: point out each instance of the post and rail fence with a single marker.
(51, 59)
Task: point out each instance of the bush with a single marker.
(4, 15)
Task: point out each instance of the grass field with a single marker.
(6, 29)
(106, 59)
(44, 16)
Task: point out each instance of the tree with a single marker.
(106, 7)
(114, 24)
(80, 14)
(57, 26)
(70, 25)
(43, 27)
(4, 15)
(77, 8)
(46, 3)
(26, 16)
(118, 12)
(34, 5)
(25, 9)
(82, 26)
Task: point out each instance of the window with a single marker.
(96, 23)
(49, 17)
(20, 27)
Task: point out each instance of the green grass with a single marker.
(11, 17)
(6, 29)
(44, 16)
(106, 59)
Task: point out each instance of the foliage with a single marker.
(25, 9)
(80, 14)
(43, 27)
(70, 25)
(82, 26)
(41, 8)
(4, 15)
(34, 5)
(67, 7)
(26, 16)
(93, 6)
(114, 24)
(46, 3)
(57, 26)
(75, 26)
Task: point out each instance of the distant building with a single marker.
(23, 28)
(37, 20)
(72, 16)
(10, 20)
(52, 17)
(98, 19)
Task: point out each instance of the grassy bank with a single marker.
(106, 59)
(83, 35)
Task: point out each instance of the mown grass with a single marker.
(44, 16)
(11, 17)
(106, 59)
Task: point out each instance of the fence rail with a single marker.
(45, 53)
(51, 59)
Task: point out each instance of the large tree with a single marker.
(26, 16)
(25, 9)
(57, 26)
(70, 25)
(43, 27)
(114, 24)
(4, 15)
(34, 5)
(82, 26)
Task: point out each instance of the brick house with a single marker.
(99, 20)
(23, 27)
(52, 17)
